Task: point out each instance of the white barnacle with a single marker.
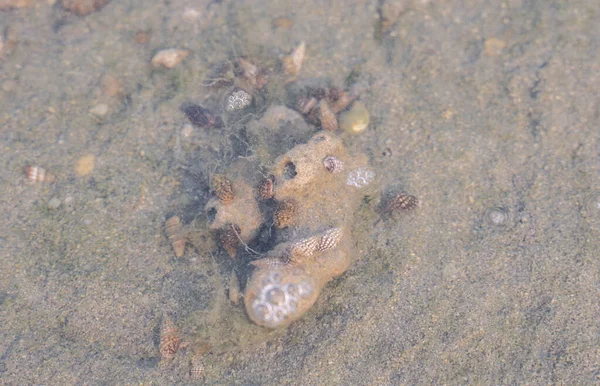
(360, 177)
(238, 100)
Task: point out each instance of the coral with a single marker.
(313, 201)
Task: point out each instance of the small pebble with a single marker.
(282, 22)
(9, 4)
(494, 46)
(110, 85)
(356, 120)
(84, 165)
(9, 85)
(142, 37)
(99, 110)
(497, 216)
(87, 219)
(83, 7)
(54, 203)
(169, 58)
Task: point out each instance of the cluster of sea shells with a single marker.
(284, 216)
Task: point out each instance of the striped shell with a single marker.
(330, 239)
(266, 188)
(229, 239)
(328, 119)
(223, 188)
(401, 201)
(169, 338)
(333, 164)
(173, 233)
(304, 248)
(269, 262)
(196, 368)
(38, 174)
(285, 213)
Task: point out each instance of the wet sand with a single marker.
(475, 105)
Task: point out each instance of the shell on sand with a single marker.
(169, 338)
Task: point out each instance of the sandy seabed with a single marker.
(474, 105)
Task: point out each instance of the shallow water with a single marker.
(480, 109)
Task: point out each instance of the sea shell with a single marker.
(230, 239)
(266, 188)
(401, 201)
(169, 58)
(285, 213)
(268, 262)
(305, 104)
(327, 117)
(234, 288)
(169, 338)
(196, 368)
(38, 174)
(249, 71)
(202, 117)
(330, 239)
(238, 100)
(332, 164)
(304, 248)
(223, 188)
(293, 62)
(343, 100)
(173, 232)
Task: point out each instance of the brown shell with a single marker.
(229, 239)
(293, 62)
(285, 213)
(304, 248)
(327, 117)
(401, 201)
(305, 104)
(330, 239)
(223, 188)
(173, 232)
(169, 338)
(234, 288)
(38, 174)
(333, 164)
(343, 101)
(249, 71)
(266, 188)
